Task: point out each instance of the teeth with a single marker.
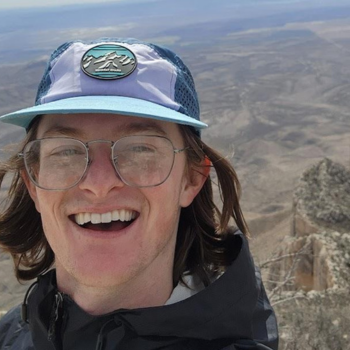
(122, 215)
(79, 218)
(115, 215)
(96, 218)
(106, 217)
(87, 217)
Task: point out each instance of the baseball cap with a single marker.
(118, 76)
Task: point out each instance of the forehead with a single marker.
(109, 126)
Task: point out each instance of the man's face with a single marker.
(118, 253)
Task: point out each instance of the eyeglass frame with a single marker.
(89, 160)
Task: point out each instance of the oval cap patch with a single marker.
(108, 61)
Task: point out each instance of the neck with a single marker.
(137, 293)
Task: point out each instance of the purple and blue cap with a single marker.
(117, 76)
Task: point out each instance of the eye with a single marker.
(66, 152)
(142, 149)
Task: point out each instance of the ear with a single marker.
(194, 181)
(32, 189)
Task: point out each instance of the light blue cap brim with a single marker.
(102, 104)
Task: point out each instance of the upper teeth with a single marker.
(96, 218)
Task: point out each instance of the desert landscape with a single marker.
(274, 88)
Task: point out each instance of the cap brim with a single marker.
(102, 104)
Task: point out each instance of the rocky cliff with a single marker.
(309, 277)
(322, 199)
(316, 254)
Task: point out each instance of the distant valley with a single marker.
(274, 87)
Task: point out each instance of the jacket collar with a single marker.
(223, 310)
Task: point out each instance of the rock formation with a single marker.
(316, 255)
(309, 277)
(322, 199)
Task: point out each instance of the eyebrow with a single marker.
(123, 130)
(63, 130)
(143, 126)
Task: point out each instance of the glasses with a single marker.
(60, 163)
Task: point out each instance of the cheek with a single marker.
(47, 204)
(164, 204)
(53, 221)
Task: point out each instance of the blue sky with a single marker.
(9, 4)
(13, 4)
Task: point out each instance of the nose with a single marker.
(100, 177)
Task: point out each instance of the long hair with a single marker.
(21, 231)
(204, 241)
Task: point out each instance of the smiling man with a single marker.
(111, 209)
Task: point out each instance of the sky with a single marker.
(12, 4)
(17, 4)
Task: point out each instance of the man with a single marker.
(112, 188)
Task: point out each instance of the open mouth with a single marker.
(110, 221)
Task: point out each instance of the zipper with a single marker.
(56, 314)
(24, 308)
(102, 334)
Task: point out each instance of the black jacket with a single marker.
(233, 313)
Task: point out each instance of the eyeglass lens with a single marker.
(60, 163)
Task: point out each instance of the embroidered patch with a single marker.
(108, 61)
